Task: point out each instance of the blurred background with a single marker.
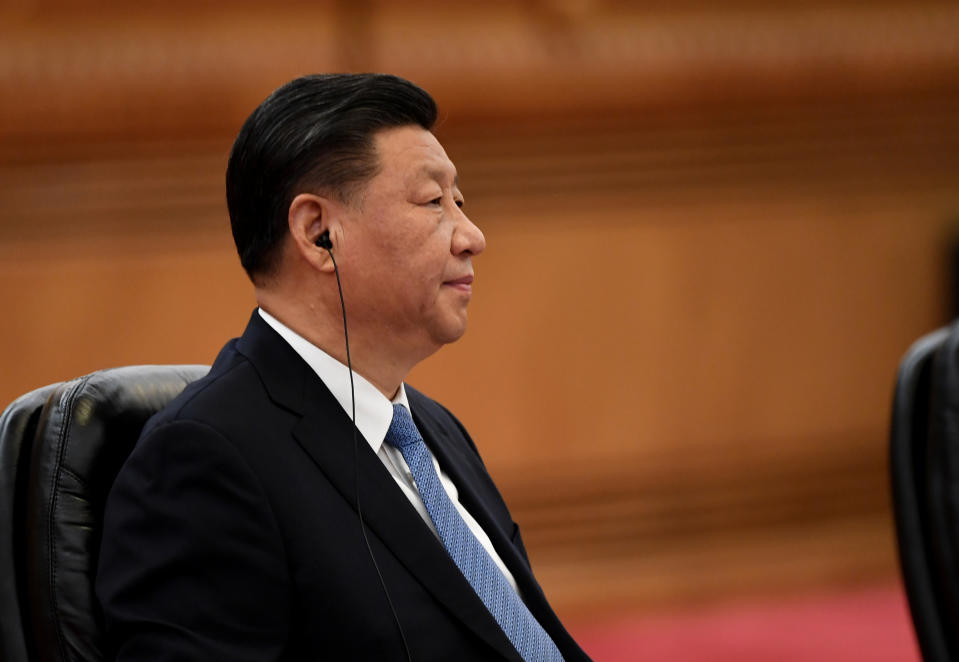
(713, 228)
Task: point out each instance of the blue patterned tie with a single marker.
(526, 634)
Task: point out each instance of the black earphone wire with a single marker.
(356, 466)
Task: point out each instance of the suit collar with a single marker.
(373, 410)
(284, 374)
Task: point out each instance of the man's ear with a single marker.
(309, 217)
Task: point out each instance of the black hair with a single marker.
(314, 134)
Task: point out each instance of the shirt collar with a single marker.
(374, 412)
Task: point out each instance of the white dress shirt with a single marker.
(374, 412)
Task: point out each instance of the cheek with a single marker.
(397, 240)
(409, 254)
(424, 257)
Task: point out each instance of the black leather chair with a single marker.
(80, 438)
(18, 424)
(927, 382)
(942, 462)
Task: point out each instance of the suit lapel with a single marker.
(468, 475)
(325, 432)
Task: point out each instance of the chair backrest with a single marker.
(84, 433)
(18, 424)
(942, 471)
(912, 414)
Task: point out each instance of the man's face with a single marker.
(407, 247)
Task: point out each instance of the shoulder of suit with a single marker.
(216, 391)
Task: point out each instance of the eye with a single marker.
(460, 203)
(436, 201)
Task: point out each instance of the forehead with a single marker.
(411, 153)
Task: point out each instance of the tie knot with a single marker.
(402, 432)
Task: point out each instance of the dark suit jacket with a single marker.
(232, 534)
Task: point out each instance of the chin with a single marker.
(449, 333)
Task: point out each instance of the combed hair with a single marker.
(314, 134)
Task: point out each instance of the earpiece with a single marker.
(323, 241)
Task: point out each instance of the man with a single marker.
(252, 522)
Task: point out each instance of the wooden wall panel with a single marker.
(121, 69)
(712, 233)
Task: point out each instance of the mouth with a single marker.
(464, 284)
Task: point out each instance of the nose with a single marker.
(467, 238)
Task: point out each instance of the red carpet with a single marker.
(868, 625)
